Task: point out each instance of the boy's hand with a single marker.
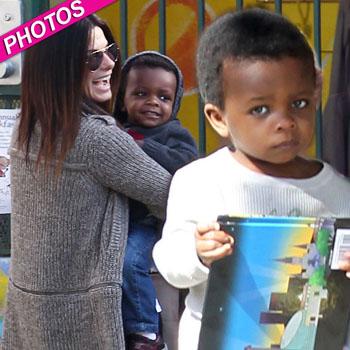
(211, 243)
(345, 265)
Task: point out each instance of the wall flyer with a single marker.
(7, 120)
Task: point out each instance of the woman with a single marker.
(73, 171)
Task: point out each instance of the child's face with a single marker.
(269, 109)
(149, 96)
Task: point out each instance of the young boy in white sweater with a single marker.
(258, 79)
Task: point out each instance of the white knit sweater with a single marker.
(218, 185)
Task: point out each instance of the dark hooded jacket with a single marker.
(170, 144)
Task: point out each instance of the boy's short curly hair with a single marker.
(248, 34)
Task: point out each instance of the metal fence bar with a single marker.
(37, 7)
(317, 46)
(124, 29)
(162, 25)
(278, 6)
(201, 117)
(239, 4)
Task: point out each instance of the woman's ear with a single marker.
(216, 119)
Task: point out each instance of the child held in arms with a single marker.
(147, 105)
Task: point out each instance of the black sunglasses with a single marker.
(95, 58)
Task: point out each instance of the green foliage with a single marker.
(318, 277)
(322, 242)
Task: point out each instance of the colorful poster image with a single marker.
(7, 120)
(280, 289)
(4, 278)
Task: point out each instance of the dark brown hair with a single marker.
(52, 96)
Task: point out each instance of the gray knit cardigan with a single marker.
(68, 239)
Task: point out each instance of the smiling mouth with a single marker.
(151, 114)
(104, 81)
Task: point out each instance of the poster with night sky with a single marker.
(280, 288)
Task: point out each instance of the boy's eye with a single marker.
(260, 110)
(300, 104)
(165, 98)
(140, 93)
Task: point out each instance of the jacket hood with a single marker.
(179, 77)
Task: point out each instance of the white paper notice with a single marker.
(7, 120)
(341, 246)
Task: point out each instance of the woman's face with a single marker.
(97, 85)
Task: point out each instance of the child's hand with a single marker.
(211, 243)
(345, 265)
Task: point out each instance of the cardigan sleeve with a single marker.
(119, 163)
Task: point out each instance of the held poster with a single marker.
(7, 120)
(280, 289)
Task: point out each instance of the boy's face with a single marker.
(269, 109)
(149, 96)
